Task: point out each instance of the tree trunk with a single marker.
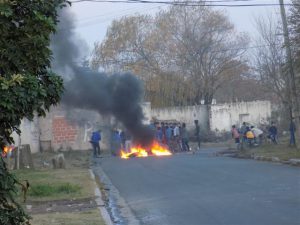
(23, 154)
(209, 116)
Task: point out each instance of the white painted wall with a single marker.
(186, 114)
(223, 116)
(146, 107)
(29, 135)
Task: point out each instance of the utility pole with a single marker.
(292, 84)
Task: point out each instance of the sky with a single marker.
(93, 18)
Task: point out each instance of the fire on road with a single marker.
(138, 151)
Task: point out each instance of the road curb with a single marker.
(273, 159)
(117, 207)
(103, 211)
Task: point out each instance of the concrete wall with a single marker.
(146, 106)
(71, 129)
(64, 130)
(186, 114)
(223, 116)
(29, 135)
(219, 117)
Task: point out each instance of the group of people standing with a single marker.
(252, 136)
(175, 135)
(119, 140)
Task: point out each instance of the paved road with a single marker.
(205, 190)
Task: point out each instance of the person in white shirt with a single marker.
(258, 134)
(176, 131)
(177, 137)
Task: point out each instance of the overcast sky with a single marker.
(92, 19)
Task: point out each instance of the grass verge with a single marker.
(62, 196)
(48, 184)
(282, 151)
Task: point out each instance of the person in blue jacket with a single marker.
(115, 142)
(168, 134)
(95, 141)
(292, 133)
(159, 135)
(273, 133)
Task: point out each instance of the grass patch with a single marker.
(91, 217)
(60, 186)
(44, 190)
(49, 184)
(282, 151)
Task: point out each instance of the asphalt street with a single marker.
(202, 189)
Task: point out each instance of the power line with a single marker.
(84, 24)
(76, 1)
(97, 21)
(93, 19)
(237, 49)
(108, 14)
(189, 3)
(207, 1)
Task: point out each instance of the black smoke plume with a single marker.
(119, 95)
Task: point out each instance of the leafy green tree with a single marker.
(27, 85)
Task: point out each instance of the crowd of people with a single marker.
(252, 136)
(175, 135)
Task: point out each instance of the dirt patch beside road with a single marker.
(77, 205)
(90, 217)
(61, 196)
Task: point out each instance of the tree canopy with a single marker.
(184, 54)
(27, 85)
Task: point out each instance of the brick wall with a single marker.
(63, 131)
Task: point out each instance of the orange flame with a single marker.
(7, 150)
(155, 149)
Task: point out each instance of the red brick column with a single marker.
(63, 131)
